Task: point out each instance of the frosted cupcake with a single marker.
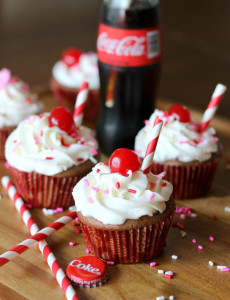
(47, 155)
(16, 103)
(188, 156)
(125, 214)
(69, 73)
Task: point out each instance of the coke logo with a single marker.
(127, 46)
(80, 265)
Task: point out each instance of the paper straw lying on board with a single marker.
(43, 246)
(37, 237)
(80, 103)
(212, 106)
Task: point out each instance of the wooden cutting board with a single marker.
(29, 277)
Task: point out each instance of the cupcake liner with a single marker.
(189, 181)
(4, 133)
(65, 96)
(44, 191)
(128, 246)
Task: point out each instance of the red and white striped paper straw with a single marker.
(37, 237)
(212, 106)
(148, 159)
(80, 103)
(43, 246)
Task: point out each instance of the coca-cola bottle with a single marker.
(129, 58)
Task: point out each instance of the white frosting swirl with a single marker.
(16, 103)
(34, 146)
(177, 140)
(85, 70)
(112, 198)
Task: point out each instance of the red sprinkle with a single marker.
(214, 218)
(73, 243)
(41, 133)
(132, 191)
(63, 143)
(164, 184)
(48, 158)
(117, 185)
(78, 230)
(80, 159)
(41, 116)
(98, 170)
(177, 224)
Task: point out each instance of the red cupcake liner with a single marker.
(44, 191)
(129, 246)
(4, 133)
(191, 181)
(67, 97)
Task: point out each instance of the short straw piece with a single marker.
(80, 103)
(212, 106)
(43, 246)
(148, 159)
(39, 236)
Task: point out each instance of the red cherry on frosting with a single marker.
(63, 118)
(181, 112)
(71, 56)
(122, 160)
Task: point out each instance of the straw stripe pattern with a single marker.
(80, 103)
(212, 106)
(147, 161)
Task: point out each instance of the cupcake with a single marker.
(124, 214)
(188, 156)
(69, 73)
(47, 155)
(16, 103)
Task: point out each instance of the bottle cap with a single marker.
(87, 271)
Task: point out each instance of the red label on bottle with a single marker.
(129, 47)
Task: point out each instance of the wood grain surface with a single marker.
(29, 277)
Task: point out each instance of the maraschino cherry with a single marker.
(122, 160)
(181, 112)
(63, 118)
(71, 56)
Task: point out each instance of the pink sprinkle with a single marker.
(95, 189)
(182, 217)
(28, 205)
(161, 175)
(117, 185)
(153, 264)
(150, 197)
(105, 191)
(87, 251)
(90, 200)
(85, 144)
(195, 126)
(51, 149)
(16, 146)
(73, 243)
(58, 210)
(138, 151)
(184, 142)
(201, 140)
(200, 247)
(211, 238)
(225, 270)
(147, 123)
(86, 182)
(77, 219)
(36, 140)
(7, 165)
(94, 150)
(194, 241)
(110, 262)
(213, 138)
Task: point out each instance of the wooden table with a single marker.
(29, 277)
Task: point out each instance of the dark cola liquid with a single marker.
(133, 89)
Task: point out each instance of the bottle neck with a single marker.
(128, 4)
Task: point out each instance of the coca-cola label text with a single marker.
(129, 47)
(77, 263)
